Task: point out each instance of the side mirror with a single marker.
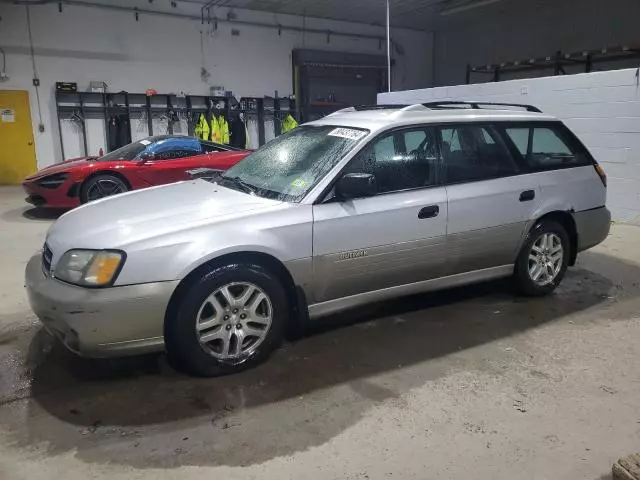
(356, 185)
(208, 174)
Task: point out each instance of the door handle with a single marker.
(527, 195)
(429, 212)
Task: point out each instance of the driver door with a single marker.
(395, 237)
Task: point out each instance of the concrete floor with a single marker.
(470, 383)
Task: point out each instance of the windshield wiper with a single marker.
(241, 183)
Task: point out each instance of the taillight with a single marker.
(600, 172)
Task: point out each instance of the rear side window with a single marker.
(547, 147)
(474, 153)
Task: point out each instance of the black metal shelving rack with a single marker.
(557, 62)
(281, 108)
(97, 105)
(253, 109)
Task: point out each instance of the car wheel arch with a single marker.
(106, 172)
(564, 218)
(295, 297)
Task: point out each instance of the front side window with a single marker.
(544, 147)
(174, 148)
(289, 166)
(400, 160)
(474, 153)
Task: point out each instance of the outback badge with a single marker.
(352, 255)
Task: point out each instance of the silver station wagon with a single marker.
(366, 204)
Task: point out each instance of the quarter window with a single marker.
(546, 147)
(474, 153)
(400, 160)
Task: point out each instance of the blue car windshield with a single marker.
(164, 146)
(128, 152)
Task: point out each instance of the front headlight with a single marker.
(89, 268)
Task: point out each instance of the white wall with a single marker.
(513, 30)
(83, 44)
(602, 109)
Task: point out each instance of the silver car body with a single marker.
(340, 254)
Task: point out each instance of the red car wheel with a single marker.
(100, 186)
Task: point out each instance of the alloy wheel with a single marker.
(234, 320)
(545, 259)
(104, 188)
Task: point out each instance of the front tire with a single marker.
(543, 259)
(101, 186)
(229, 319)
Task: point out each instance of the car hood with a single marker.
(124, 219)
(60, 167)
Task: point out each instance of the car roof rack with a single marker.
(441, 105)
(477, 105)
(365, 108)
(361, 108)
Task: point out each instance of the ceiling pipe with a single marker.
(207, 8)
(32, 2)
(463, 7)
(173, 14)
(388, 47)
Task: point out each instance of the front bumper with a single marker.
(592, 227)
(51, 197)
(104, 322)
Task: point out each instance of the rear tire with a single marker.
(101, 186)
(229, 319)
(543, 259)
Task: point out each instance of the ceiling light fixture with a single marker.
(468, 6)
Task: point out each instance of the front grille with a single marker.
(47, 256)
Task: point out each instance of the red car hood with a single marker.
(60, 167)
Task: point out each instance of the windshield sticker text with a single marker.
(349, 133)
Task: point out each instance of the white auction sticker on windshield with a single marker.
(349, 133)
(145, 142)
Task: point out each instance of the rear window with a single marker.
(547, 146)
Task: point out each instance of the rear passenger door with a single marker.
(561, 164)
(490, 197)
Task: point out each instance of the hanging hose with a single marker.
(35, 71)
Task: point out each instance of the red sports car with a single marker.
(145, 163)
